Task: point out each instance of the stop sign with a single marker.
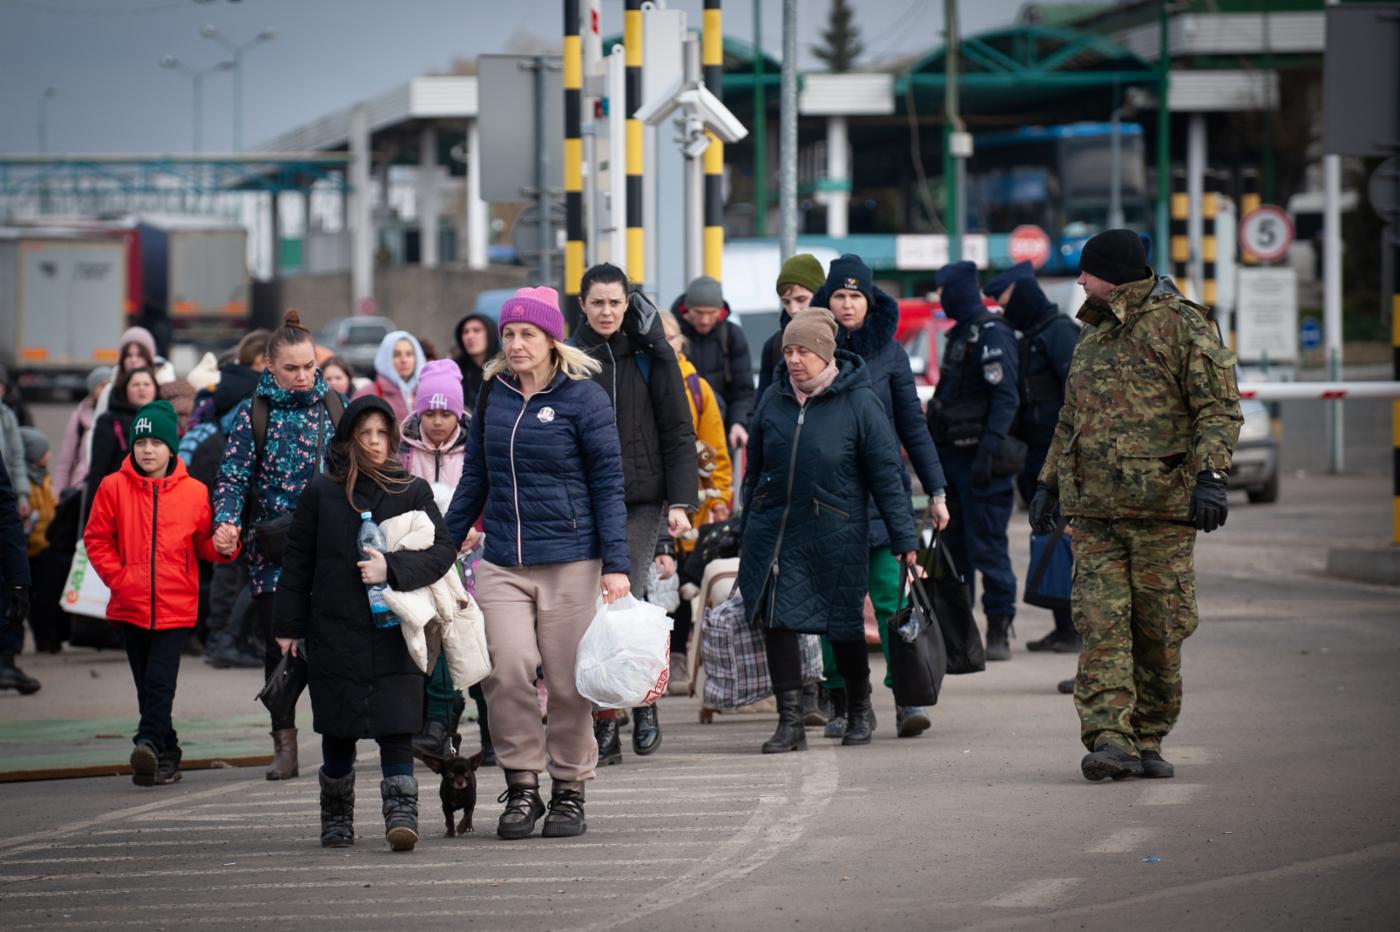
(1029, 243)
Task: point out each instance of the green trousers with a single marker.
(884, 596)
(1134, 602)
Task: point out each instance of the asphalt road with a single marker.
(1284, 813)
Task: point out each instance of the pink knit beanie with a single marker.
(439, 388)
(537, 306)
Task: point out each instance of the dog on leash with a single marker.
(458, 790)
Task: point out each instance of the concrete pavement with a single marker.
(1284, 812)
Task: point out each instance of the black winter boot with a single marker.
(337, 810)
(400, 795)
(812, 713)
(998, 633)
(646, 730)
(836, 722)
(435, 742)
(145, 763)
(523, 805)
(12, 677)
(565, 819)
(284, 755)
(860, 714)
(605, 733)
(791, 735)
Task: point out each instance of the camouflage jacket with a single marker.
(1150, 401)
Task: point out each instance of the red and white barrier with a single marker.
(1318, 391)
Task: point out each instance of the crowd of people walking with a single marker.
(282, 506)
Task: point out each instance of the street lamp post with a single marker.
(49, 94)
(196, 77)
(210, 31)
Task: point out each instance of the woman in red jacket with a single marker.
(150, 523)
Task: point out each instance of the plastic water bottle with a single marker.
(372, 537)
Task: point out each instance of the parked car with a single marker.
(490, 302)
(1255, 466)
(356, 340)
(923, 331)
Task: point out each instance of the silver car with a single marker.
(1255, 465)
(356, 340)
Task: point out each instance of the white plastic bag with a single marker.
(624, 659)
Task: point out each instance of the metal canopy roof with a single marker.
(1013, 70)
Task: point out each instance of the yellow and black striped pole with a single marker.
(1249, 202)
(632, 43)
(1210, 209)
(712, 64)
(1181, 240)
(573, 162)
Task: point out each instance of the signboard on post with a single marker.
(918, 251)
(1266, 315)
(1266, 233)
(508, 98)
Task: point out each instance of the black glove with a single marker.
(982, 467)
(1043, 504)
(17, 605)
(1209, 505)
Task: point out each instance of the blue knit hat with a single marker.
(1009, 277)
(850, 272)
(961, 298)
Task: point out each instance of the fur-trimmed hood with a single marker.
(881, 324)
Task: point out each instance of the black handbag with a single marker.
(952, 605)
(918, 657)
(283, 688)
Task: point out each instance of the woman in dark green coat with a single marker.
(820, 449)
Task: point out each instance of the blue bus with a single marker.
(1057, 178)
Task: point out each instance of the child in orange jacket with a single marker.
(150, 522)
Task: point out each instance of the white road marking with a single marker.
(1036, 894)
(1123, 840)
(405, 881)
(1168, 793)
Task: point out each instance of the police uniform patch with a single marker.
(991, 352)
(992, 372)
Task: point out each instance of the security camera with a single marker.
(696, 145)
(717, 117)
(653, 112)
(694, 101)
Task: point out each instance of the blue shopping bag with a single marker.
(1052, 569)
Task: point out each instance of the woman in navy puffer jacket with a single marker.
(544, 466)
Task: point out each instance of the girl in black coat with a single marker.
(363, 682)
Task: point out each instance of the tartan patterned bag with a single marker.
(733, 655)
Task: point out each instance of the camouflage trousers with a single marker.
(1134, 602)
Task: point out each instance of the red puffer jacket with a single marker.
(143, 537)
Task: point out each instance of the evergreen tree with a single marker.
(841, 44)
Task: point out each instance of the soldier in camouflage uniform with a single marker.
(1138, 464)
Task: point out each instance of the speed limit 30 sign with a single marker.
(1266, 233)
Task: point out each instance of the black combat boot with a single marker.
(523, 805)
(565, 819)
(836, 721)
(606, 734)
(1107, 760)
(337, 810)
(1057, 641)
(1155, 768)
(646, 730)
(791, 735)
(12, 677)
(812, 713)
(860, 714)
(998, 632)
(400, 795)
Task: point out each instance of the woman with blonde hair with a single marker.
(544, 468)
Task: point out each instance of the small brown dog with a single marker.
(458, 790)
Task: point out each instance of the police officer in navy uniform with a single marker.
(970, 417)
(1047, 339)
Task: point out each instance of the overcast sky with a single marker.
(102, 56)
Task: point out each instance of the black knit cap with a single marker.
(1115, 256)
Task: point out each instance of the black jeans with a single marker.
(785, 659)
(263, 606)
(395, 755)
(155, 663)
